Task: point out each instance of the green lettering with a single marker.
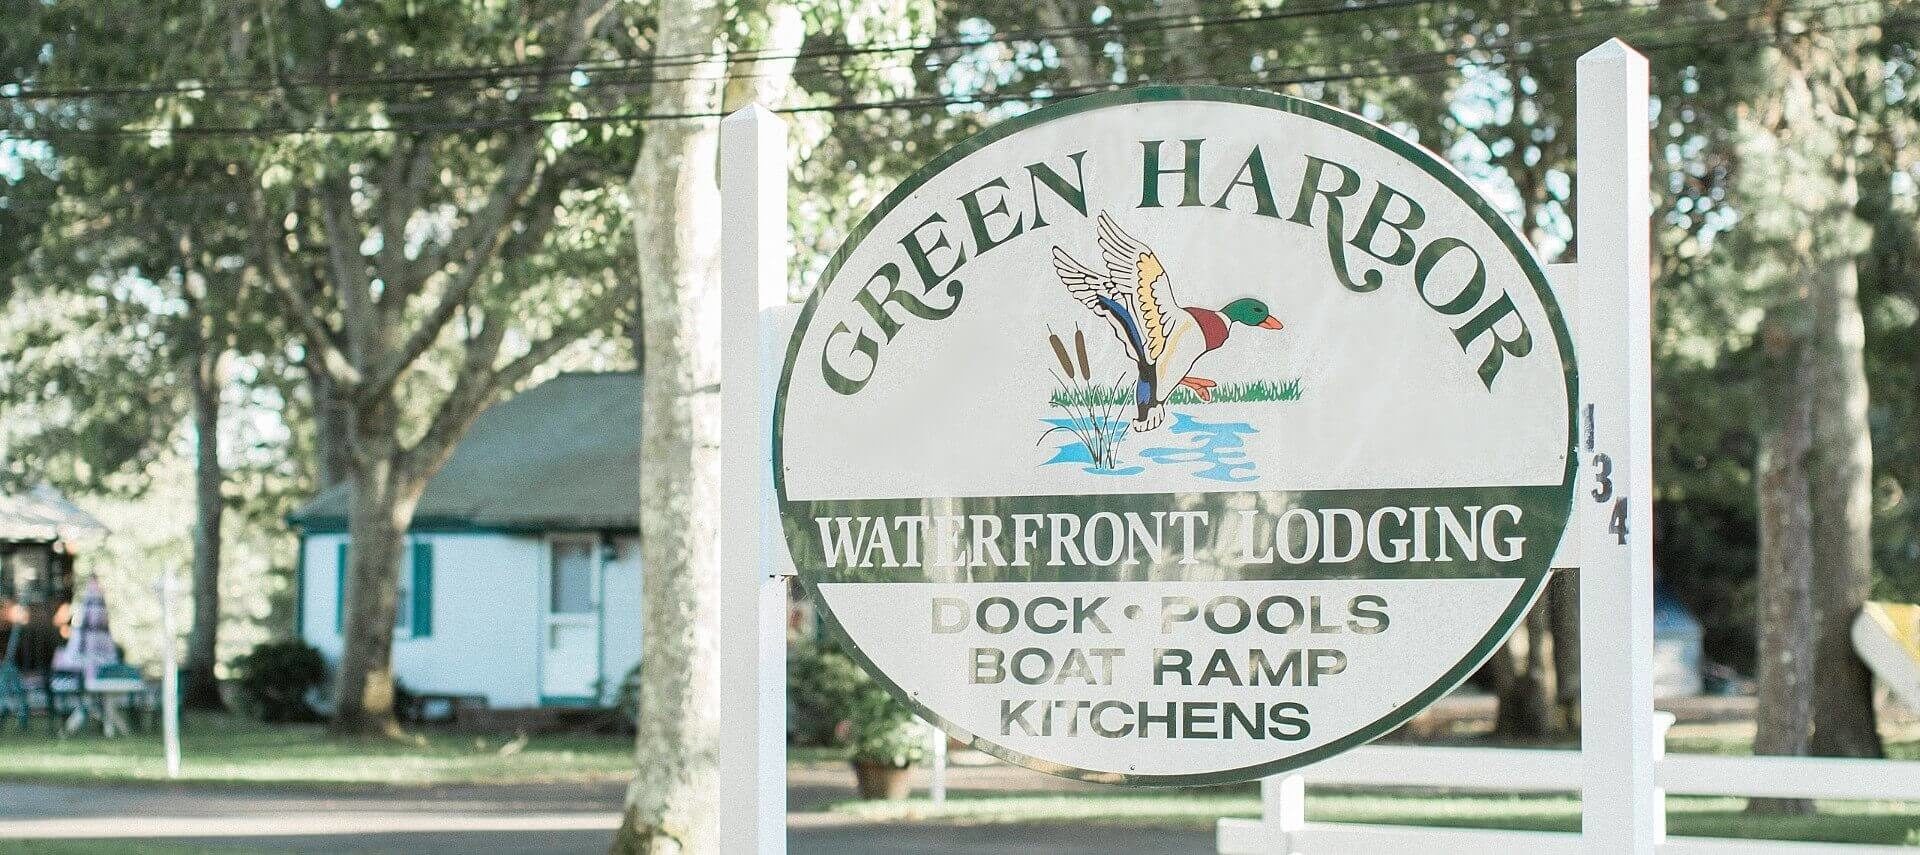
(1336, 218)
(895, 295)
(983, 239)
(1151, 173)
(1253, 176)
(1074, 194)
(1519, 345)
(1470, 293)
(838, 381)
(921, 255)
(1376, 217)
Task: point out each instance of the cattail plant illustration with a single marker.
(1095, 414)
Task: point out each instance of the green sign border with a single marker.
(1531, 584)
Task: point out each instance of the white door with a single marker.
(570, 623)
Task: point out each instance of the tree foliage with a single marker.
(429, 238)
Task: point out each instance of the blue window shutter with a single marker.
(300, 589)
(340, 590)
(422, 588)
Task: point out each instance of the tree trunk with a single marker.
(1536, 672)
(1187, 51)
(1783, 715)
(1842, 497)
(1523, 678)
(765, 77)
(672, 807)
(1066, 19)
(379, 510)
(1814, 125)
(202, 691)
(330, 427)
(1563, 593)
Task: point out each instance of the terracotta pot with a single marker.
(878, 781)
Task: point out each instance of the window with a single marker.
(413, 608)
(571, 588)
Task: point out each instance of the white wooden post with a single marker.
(1622, 810)
(1283, 799)
(937, 763)
(169, 678)
(753, 590)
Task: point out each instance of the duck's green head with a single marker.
(1251, 312)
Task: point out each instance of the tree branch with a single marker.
(474, 387)
(402, 185)
(541, 207)
(322, 341)
(526, 182)
(583, 19)
(480, 383)
(349, 273)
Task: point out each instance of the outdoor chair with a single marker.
(13, 696)
(66, 701)
(13, 688)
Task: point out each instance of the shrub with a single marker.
(406, 704)
(275, 678)
(627, 698)
(884, 731)
(822, 684)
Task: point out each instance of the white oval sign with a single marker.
(1177, 435)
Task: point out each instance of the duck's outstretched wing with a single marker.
(1130, 262)
(1105, 297)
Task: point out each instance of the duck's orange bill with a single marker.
(1271, 323)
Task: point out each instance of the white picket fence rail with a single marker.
(1282, 829)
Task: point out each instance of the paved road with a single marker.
(541, 820)
(438, 843)
(844, 840)
(995, 840)
(26, 803)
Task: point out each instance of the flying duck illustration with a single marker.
(1135, 295)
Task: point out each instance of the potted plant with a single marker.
(886, 740)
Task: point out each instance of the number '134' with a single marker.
(1603, 492)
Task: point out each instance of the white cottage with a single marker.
(522, 579)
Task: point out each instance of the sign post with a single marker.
(1622, 808)
(753, 590)
(169, 678)
(1190, 435)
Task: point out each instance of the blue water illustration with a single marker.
(1220, 448)
(1075, 451)
(1215, 451)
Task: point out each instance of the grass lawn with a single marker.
(232, 750)
(1839, 822)
(229, 749)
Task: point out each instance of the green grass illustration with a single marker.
(1226, 393)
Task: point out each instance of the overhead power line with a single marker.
(1411, 65)
(1130, 26)
(1420, 64)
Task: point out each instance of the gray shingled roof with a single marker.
(562, 455)
(43, 514)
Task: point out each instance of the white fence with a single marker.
(1283, 828)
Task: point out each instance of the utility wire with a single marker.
(1117, 28)
(1433, 62)
(1413, 65)
(644, 68)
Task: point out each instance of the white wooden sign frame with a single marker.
(1622, 807)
